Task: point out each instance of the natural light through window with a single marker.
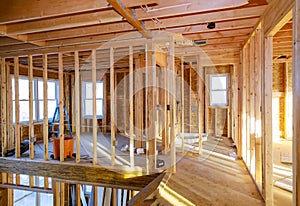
(88, 99)
(219, 90)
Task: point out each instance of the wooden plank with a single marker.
(267, 121)
(31, 126)
(126, 119)
(17, 110)
(226, 15)
(252, 122)
(182, 102)
(127, 14)
(63, 22)
(77, 106)
(296, 106)
(220, 26)
(200, 95)
(276, 15)
(131, 148)
(62, 193)
(46, 122)
(95, 126)
(139, 198)
(258, 96)
(3, 108)
(172, 68)
(80, 173)
(61, 106)
(78, 191)
(3, 196)
(10, 128)
(112, 105)
(19, 12)
(138, 80)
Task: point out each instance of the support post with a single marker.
(112, 105)
(77, 106)
(61, 106)
(94, 78)
(182, 103)
(45, 125)
(296, 106)
(17, 110)
(173, 104)
(131, 148)
(267, 120)
(3, 108)
(200, 92)
(31, 126)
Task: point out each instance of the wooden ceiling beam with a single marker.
(63, 22)
(5, 41)
(12, 11)
(135, 3)
(220, 33)
(94, 38)
(81, 31)
(175, 8)
(129, 16)
(233, 14)
(234, 24)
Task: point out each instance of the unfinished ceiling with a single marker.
(51, 26)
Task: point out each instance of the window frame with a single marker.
(36, 99)
(218, 90)
(84, 98)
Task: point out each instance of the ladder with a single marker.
(54, 129)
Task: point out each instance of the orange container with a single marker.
(68, 147)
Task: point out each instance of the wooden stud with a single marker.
(96, 198)
(131, 148)
(17, 110)
(125, 83)
(45, 125)
(61, 106)
(78, 197)
(296, 107)
(77, 106)
(173, 105)
(138, 82)
(267, 121)
(31, 126)
(200, 92)
(251, 123)
(10, 128)
(182, 104)
(95, 128)
(258, 131)
(62, 193)
(46, 183)
(112, 105)
(3, 108)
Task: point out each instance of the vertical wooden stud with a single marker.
(61, 106)
(267, 121)
(45, 126)
(31, 126)
(3, 108)
(112, 105)
(200, 92)
(77, 106)
(17, 110)
(296, 106)
(131, 148)
(173, 104)
(94, 78)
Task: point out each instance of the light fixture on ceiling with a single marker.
(211, 25)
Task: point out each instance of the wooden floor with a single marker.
(211, 179)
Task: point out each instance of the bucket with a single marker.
(68, 147)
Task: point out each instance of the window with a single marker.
(219, 90)
(88, 99)
(38, 98)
